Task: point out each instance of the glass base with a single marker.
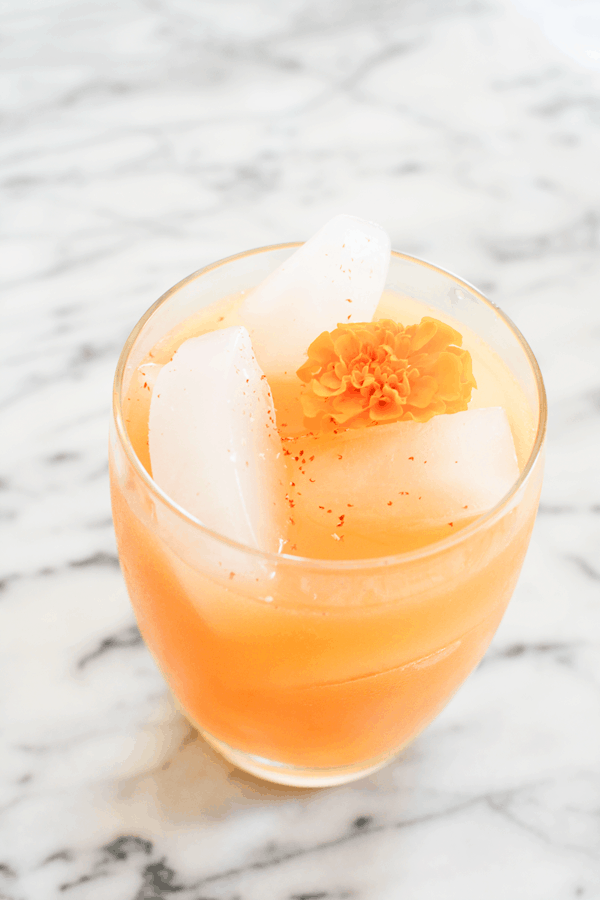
(296, 776)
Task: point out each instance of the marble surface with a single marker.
(142, 139)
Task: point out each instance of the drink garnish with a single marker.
(370, 373)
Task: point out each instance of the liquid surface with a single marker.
(322, 539)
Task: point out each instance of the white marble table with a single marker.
(141, 140)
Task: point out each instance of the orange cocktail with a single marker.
(316, 665)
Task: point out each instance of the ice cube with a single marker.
(406, 474)
(214, 448)
(336, 276)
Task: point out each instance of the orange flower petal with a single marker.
(447, 371)
(347, 347)
(422, 391)
(443, 336)
(386, 408)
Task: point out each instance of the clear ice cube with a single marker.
(214, 447)
(406, 474)
(336, 276)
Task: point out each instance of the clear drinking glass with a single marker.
(307, 671)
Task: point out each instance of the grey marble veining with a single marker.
(141, 140)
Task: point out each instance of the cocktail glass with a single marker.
(312, 672)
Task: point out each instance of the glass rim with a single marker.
(304, 562)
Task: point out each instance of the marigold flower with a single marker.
(366, 373)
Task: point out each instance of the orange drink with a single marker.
(316, 664)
